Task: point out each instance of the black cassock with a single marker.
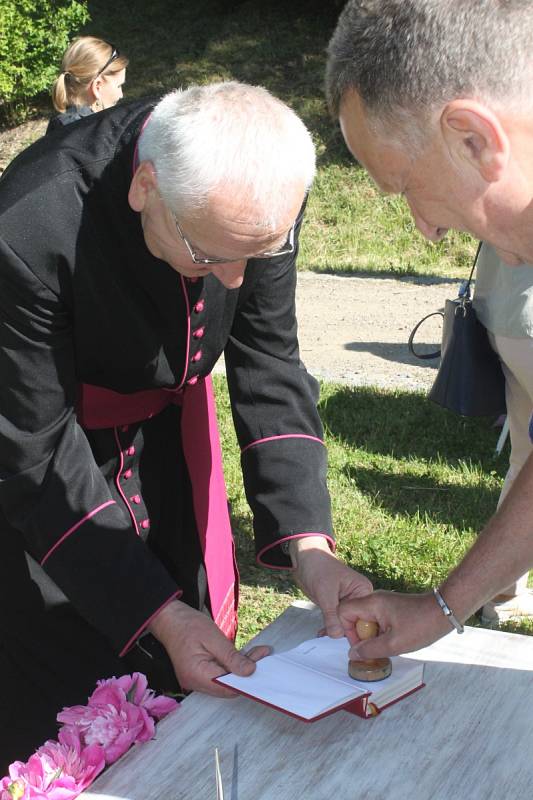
(108, 512)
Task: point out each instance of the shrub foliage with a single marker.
(33, 37)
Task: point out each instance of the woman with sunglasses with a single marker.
(91, 79)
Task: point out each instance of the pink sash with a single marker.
(98, 407)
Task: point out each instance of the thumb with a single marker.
(258, 652)
(236, 662)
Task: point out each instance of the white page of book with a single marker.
(326, 655)
(330, 657)
(298, 690)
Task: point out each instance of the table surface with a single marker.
(467, 735)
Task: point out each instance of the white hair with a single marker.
(230, 136)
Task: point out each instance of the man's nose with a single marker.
(230, 275)
(430, 232)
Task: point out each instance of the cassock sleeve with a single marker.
(51, 490)
(274, 405)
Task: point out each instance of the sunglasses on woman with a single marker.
(114, 55)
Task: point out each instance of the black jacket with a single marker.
(71, 114)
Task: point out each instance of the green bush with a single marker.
(33, 36)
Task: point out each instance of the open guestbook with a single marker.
(311, 681)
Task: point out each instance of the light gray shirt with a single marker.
(503, 296)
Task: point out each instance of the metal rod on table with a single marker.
(218, 777)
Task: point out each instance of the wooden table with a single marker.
(468, 735)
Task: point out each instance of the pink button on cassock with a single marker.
(198, 333)
(193, 380)
(130, 451)
(197, 356)
(136, 499)
(145, 524)
(127, 474)
(124, 428)
(199, 306)
(192, 280)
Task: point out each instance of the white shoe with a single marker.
(514, 608)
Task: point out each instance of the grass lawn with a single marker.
(411, 485)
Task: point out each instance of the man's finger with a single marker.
(363, 588)
(216, 690)
(351, 610)
(332, 623)
(372, 648)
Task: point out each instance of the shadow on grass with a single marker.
(406, 274)
(463, 507)
(251, 573)
(380, 577)
(406, 424)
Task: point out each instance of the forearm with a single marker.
(502, 552)
(300, 545)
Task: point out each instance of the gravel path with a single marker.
(355, 330)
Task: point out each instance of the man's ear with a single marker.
(143, 184)
(473, 133)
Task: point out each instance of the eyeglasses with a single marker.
(285, 250)
(114, 55)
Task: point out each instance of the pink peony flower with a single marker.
(120, 712)
(110, 721)
(14, 789)
(56, 771)
(135, 687)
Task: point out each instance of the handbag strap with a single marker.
(466, 291)
(423, 356)
(464, 297)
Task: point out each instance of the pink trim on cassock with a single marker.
(188, 313)
(75, 528)
(283, 436)
(117, 482)
(131, 642)
(331, 543)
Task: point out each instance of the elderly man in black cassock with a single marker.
(136, 246)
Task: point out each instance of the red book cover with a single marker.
(311, 681)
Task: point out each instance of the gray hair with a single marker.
(228, 135)
(407, 58)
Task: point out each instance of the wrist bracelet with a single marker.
(448, 613)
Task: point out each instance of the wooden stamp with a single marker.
(371, 669)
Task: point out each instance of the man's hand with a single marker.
(199, 651)
(325, 579)
(406, 622)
